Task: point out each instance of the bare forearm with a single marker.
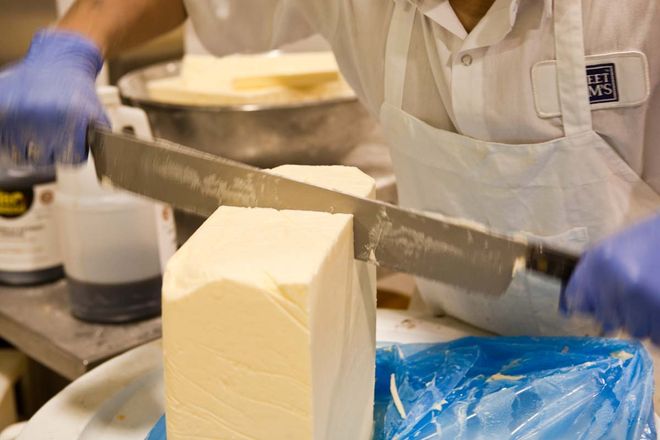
(115, 25)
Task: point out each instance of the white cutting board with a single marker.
(124, 398)
(121, 399)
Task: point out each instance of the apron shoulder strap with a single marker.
(396, 52)
(571, 67)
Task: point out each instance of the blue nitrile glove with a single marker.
(48, 99)
(618, 282)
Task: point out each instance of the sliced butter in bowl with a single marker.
(291, 80)
(253, 79)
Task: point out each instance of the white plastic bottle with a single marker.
(114, 244)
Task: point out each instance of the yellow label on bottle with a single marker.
(13, 204)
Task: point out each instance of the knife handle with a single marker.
(552, 262)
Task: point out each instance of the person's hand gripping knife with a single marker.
(618, 282)
(48, 99)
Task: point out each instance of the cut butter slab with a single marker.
(295, 80)
(252, 79)
(269, 324)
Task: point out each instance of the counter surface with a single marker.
(37, 321)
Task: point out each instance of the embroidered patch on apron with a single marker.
(601, 79)
(614, 80)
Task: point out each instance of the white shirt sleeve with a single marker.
(229, 26)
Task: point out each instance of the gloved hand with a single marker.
(48, 99)
(618, 282)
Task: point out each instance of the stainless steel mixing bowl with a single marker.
(318, 132)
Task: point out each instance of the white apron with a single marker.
(570, 191)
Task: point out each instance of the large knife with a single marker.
(436, 248)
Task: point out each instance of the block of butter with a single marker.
(269, 324)
(252, 79)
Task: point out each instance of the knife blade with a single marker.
(464, 255)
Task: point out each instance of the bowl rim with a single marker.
(135, 99)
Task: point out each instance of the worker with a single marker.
(528, 116)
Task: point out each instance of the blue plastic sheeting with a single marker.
(517, 388)
(511, 388)
(158, 431)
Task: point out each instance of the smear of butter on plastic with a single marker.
(622, 355)
(395, 397)
(438, 405)
(500, 376)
